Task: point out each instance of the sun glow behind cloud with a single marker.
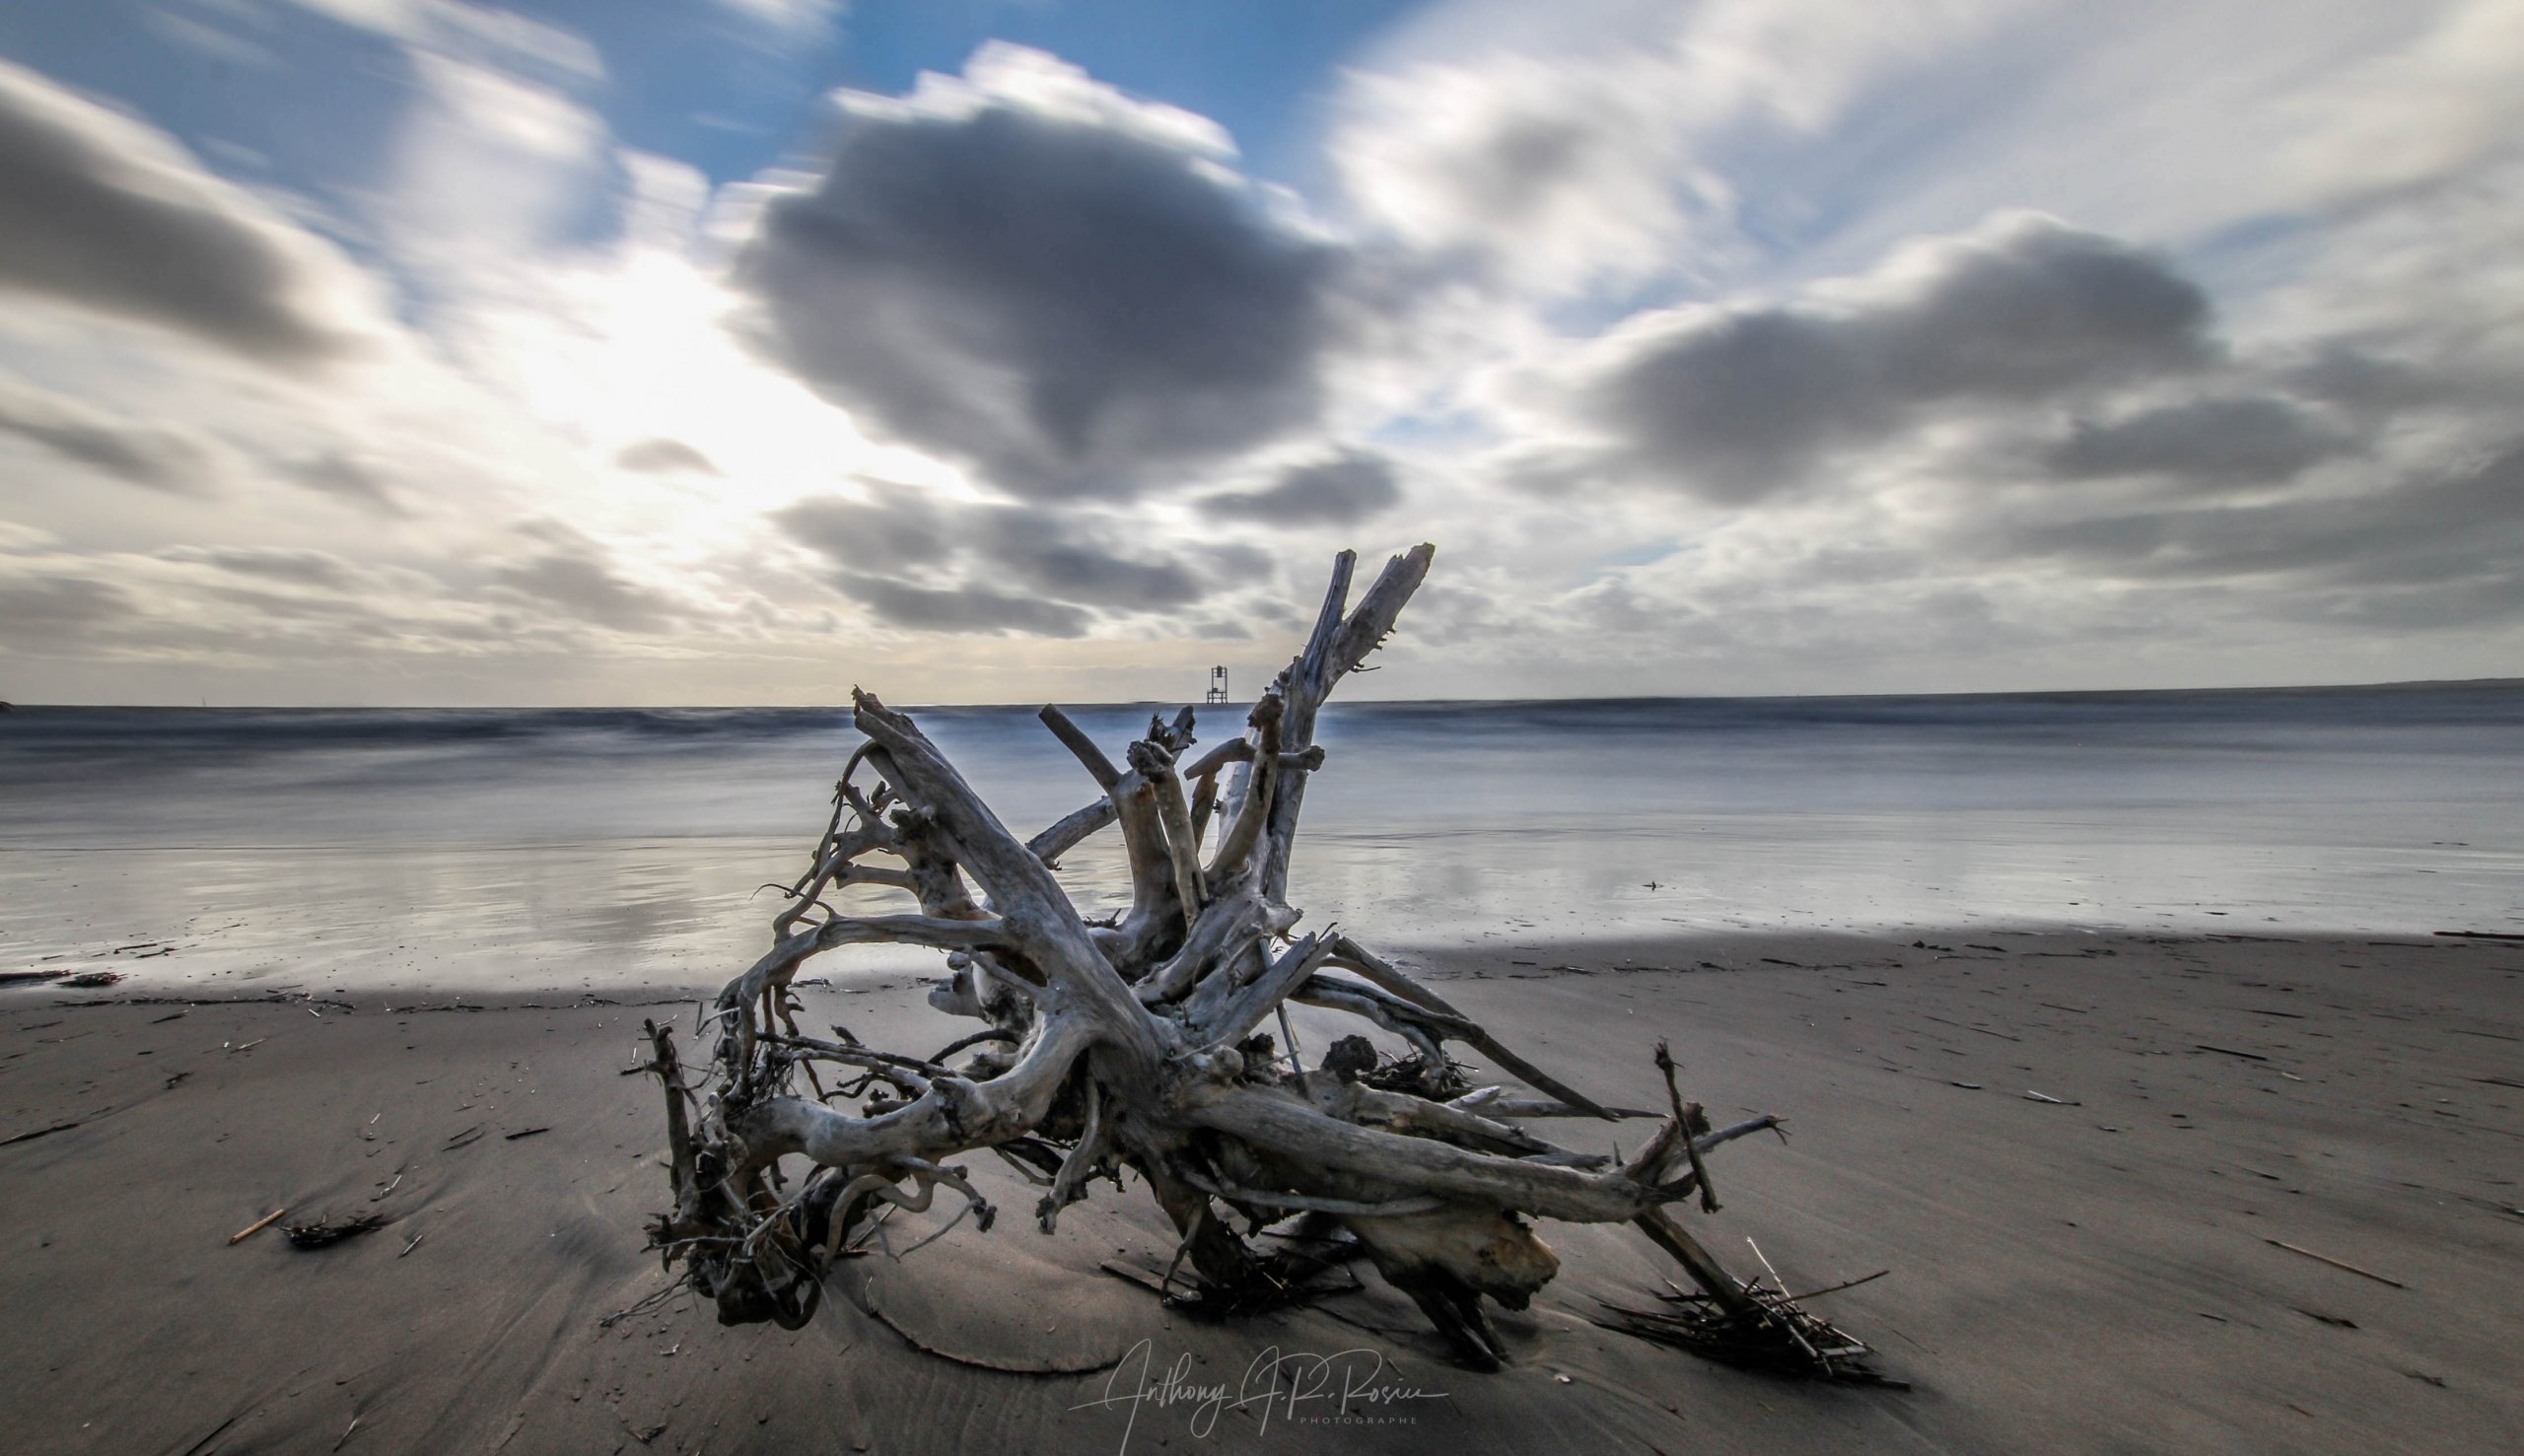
(1721, 347)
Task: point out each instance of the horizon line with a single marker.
(2398, 684)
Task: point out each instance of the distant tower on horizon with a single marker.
(1218, 685)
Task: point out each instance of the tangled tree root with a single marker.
(1137, 1044)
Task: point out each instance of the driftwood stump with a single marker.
(1142, 1045)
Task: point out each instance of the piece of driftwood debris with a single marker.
(2335, 1263)
(216, 1431)
(42, 1132)
(325, 1233)
(1771, 1332)
(259, 1226)
(1137, 1043)
(88, 980)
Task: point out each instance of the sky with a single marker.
(740, 351)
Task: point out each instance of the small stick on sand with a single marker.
(1835, 1288)
(258, 1227)
(2337, 1263)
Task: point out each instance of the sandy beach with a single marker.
(2125, 1262)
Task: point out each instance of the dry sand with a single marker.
(2092, 1277)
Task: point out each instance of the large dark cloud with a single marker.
(2251, 441)
(141, 454)
(1348, 487)
(1734, 404)
(99, 211)
(1026, 274)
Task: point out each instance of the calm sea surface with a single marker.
(474, 849)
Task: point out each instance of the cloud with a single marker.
(42, 610)
(2403, 116)
(1343, 490)
(2251, 441)
(1540, 171)
(1735, 403)
(662, 457)
(1565, 146)
(2465, 525)
(962, 609)
(1028, 272)
(346, 479)
(2365, 382)
(967, 553)
(1595, 143)
(1611, 604)
(894, 528)
(104, 213)
(209, 41)
(298, 568)
(795, 19)
(491, 169)
(478, 32)
(1046, 551)
(577, 577)
(160, 459)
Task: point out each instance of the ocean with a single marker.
(483, 848)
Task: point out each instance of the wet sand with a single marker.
(2091, 1274)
